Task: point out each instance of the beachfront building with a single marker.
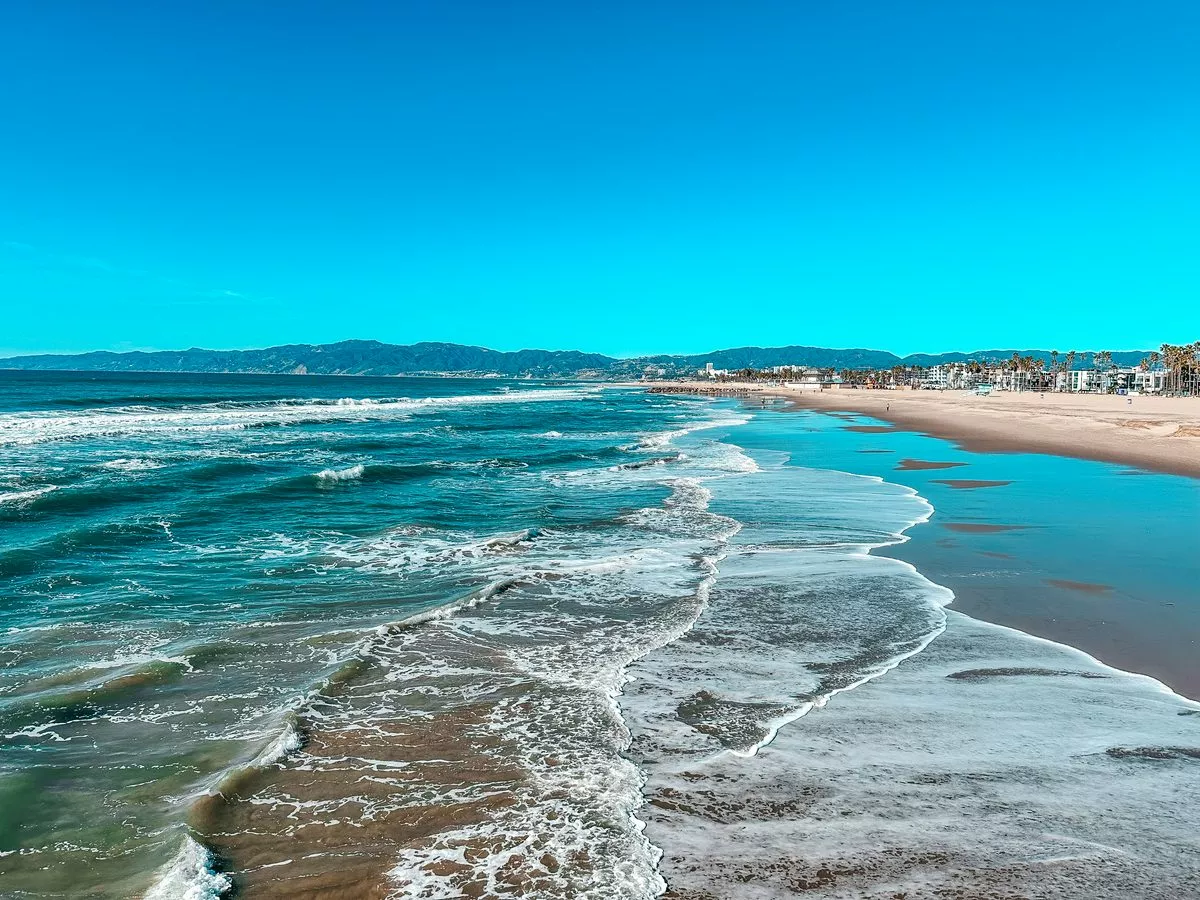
(937, 378)
(806, 378)
(1079, 381)
(955, 376)
(1104, 381)
(1153, 381)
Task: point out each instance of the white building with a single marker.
(1096, 381)
(953, 376)
(937, 377)
(1151, 382)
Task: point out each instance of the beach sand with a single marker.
(1157, 433)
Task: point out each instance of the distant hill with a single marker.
(766, 357)
(376, 358)
(343, 358)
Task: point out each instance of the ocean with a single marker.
(318, 637)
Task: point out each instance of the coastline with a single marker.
(1015, 549)
(1052, 754)
(1161, 434)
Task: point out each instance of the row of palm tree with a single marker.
(1180, 362)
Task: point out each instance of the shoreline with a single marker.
(986, 555)
(1160, 434)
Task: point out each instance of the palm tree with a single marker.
(1101, 362)
(1038, 365)
(1069, 363)
(1191, 361)
(1168, 358)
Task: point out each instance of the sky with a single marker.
(624, 177)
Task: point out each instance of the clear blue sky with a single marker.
(617, 177)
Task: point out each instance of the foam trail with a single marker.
(37, 427)
(288, 741)
(190, 876)
(16, 498)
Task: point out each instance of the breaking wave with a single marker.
(332, 476)
(38, 427)
(190, 876)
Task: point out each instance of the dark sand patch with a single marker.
(981, 674)
(995, 555)
(980, 527)
(946, 542)
(969, 484)
(918, 465)
(1154, 753)
(1084, 587)
(871, 429)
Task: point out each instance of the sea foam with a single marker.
(332, 476)
(190, 876)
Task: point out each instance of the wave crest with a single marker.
(332, 476)
(190, 876)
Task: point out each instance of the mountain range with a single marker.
(376, 358)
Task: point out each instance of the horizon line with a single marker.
(124, 352)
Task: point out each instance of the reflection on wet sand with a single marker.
(917, 465)
(1083, 587)
(980, 527)
(967, 484)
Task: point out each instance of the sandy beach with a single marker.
(1157, 433)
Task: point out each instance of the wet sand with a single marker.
(870, 429)
(1157, 433)
(920, 465)
(980, 527)
(1004, 541)
(969, 484)
(1084, 587)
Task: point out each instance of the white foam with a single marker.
(17, 498)
(288, 741)
(335, 475)
(40, 426)
(190, 876)
(579, 643)
(134, 464)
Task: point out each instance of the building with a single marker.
(807, 379)
(955, 376)
(1153, 381)
(1118, 378)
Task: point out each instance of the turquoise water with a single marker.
(304, 636)
(1130, 532)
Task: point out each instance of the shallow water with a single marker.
(321, 637)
